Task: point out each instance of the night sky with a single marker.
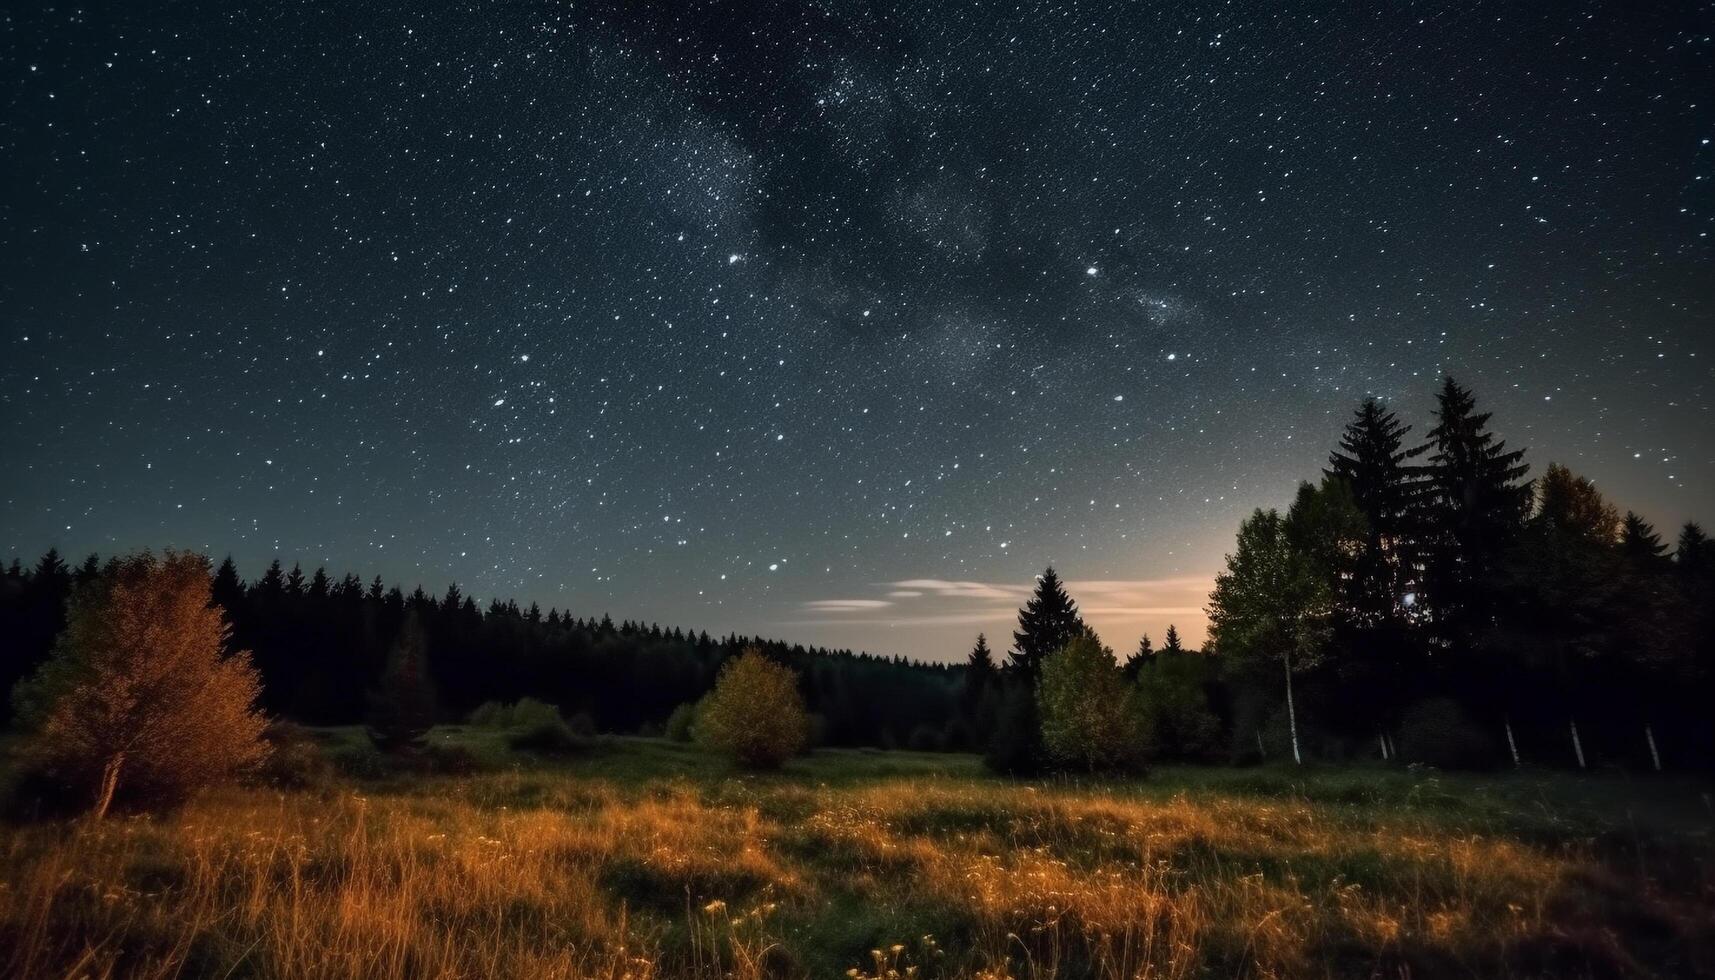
(834, 322)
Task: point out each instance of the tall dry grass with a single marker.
(520, 875)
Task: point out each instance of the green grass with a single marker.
(643, 857)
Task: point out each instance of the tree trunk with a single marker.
(1383, 740)
(1577, 744)
(1392, 749)
(109, 783)
(1292, 715)
(1654, 756)
(1512, 746)
(1260, 751)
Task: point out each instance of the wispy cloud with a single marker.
(845, 605)
(1120, 608)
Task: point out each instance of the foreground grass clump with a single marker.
(653, 859)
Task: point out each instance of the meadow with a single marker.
(643, 858)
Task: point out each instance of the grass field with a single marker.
(644, 858)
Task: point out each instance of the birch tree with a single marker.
(1274, 604)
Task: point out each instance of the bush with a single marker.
(1015, 748)
(547, 738)
(680, 722)
(1173, 706)
(523, 713)
(1437, 732)
(581, 725)
(294, 761)
(1088, 721)
(925, 738)
(755, 713)
(138, 701)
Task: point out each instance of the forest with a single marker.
(1421, 601)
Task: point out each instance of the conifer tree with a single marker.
(402, 709)
(1048, 621)
(1144, 653)
(1375, 464)
(1170, 643)
(1473, 505)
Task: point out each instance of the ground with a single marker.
(644, 858)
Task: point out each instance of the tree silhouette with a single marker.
(402, 709)
(1048, 621)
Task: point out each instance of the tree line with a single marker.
(1422, 602)
(1419, 602)
(322, 643)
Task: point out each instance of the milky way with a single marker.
(827, 321)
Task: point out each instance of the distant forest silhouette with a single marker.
(1419, 603)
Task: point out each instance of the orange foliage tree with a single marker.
(139, 698)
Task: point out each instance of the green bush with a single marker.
(925, 738)
(1437, 732)
(1088, 720)
(680, 722)
(1173, 706)
(546, 738)
(755, 713)
(524, 713)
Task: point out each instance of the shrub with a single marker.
(1088, 721)
(137, 701)
(1015, 748)
(925, 738)
(294, 761)
(1173, 706)
(680, 722)
(1437, 732)
(523, 713)
(755, 713)
(554, 737)
(581, 725)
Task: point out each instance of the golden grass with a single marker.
(901, 876)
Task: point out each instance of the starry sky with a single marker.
(828, 321)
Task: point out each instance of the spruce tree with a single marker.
(402, 709)
(1144, 654)
(1473, 506)
(1375, 464)
(1641, 545)
(1048, 621)
(1170, 643)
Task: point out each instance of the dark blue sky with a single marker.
(834, 322)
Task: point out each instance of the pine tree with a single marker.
(1473, 506)
(402, 709)
(1144, 653)
(1641, 545)
(295, 581)
(1048, 621)
(1694, 556)
(1170, 643)
(979, 669)
(1373, 461)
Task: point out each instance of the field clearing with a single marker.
(644, 858)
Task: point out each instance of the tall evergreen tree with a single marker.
(1641, 545)
(402, 709)
(1048, 621)
(1373, 460)
(1474, 503)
